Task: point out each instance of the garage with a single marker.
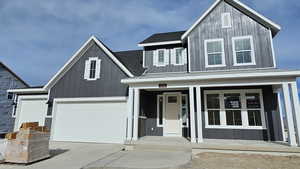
(101, 120)
(31, 108)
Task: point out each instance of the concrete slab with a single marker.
(144, 160)
(67, 155)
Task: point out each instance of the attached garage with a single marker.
(101, 120)
(31, 108)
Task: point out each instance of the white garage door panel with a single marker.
(90, 122)
(31, 110)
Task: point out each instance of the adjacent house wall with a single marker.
(7, 81)
(242, 25)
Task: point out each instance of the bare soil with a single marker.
(212, 160)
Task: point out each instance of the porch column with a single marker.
(129, 114)
(136, 112)
(199, 114)
(296, 107)
(192, 114)
(280, 109)
(289, 114)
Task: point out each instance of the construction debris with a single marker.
(29, 144)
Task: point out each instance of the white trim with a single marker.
(136, 112)
(206, 54)
(91, 99)
(75, 58)
(130, 114)
(199, 114)
(296, 108)
(280, 109)
(144, 58)
(189, 54)
(223, 15)
(273, 51)
(294, 73)
(182, 56)
(88, 69)
(29, 90)
(272, 24)
(192, 114)
(253, 61)
(157, 111)
(244, 109)
(159, 64)
(159, 43)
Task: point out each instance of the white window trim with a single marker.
(244, 113)
(98, 69)
(182, 61)
(158, 63)
(206, 54)
(223, 15)
(253, 62)
(157, 111)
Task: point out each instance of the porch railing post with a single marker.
(199, 114)
(136, 113)
(296, 106)
(130, 114)
(192, 114)
(280, 109)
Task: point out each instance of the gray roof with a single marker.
(163, 37)
(133, 60)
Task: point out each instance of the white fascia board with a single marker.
(25, 91)
(160, 43)
(70, 62)
(218, 76)
(91, 99)
(237, 2)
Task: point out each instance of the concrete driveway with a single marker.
(66, 155)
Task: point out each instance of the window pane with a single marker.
(213, 101)
(232, 101)
(233, 117)
(172, 99)
(254, 118)
(160, 108)
(243, 57)
(215, 59)
(161, 56)
(242, 44)
(253, 100)
(178, 56)
(213, 117)
(92, 69)
(214, 47)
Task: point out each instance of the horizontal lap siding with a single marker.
(242, 25)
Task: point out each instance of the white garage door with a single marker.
(102, 122)
(31, 109)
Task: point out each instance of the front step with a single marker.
(149, 147)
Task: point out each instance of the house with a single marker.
(8, 80)
(216, 80)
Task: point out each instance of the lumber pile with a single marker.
(29, 144)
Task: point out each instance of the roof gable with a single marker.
(79, 54)
(14, 74)
(275, 28)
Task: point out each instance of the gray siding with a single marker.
(242, 25)
(7, 81)
(73, 84)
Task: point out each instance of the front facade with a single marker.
(216, 80)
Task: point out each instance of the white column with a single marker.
(136, 113)
(192, 114)
(281, 114)
(199, 114)
(130, 114)
(289, 114)
(296, 106)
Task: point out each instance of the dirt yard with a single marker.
(244, 161)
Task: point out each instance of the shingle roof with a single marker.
(163, 37)
(132, 59)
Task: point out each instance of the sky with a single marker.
(37, 37)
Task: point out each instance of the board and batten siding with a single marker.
(242, 25)
(73, 84)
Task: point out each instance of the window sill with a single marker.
(237, 127)
(244, 64)
(160, 65)
(212, 66)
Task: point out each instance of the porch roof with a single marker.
(211, 75)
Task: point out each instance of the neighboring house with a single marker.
(8, 80)
(216, 80)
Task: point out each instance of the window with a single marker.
(214, 53)
(160, 101)
(213, 109)
(243, 52)
(10, 96)
(184, 111)
(161, 57)
(234, 109)
(226, 20)
(92, 69)
(172, 99)
(178, 56)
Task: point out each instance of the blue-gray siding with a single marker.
(242, 25)
(7, 81)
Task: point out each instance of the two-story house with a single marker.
(216, 80)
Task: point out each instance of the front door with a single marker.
(172, 125)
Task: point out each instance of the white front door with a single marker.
(172, 125)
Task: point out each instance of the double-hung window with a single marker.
(214, 53)
(213, 109)
(178, 56)
(92, 68)
(243, 52)
(161, 57)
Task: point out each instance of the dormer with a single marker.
(164, 52)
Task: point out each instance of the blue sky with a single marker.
(38, 37)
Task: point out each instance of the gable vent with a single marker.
(226, 20)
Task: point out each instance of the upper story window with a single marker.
(226, 20)
(161, 57)
(178, 56)
(92, 68)
(214, 53)
(243, 52)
